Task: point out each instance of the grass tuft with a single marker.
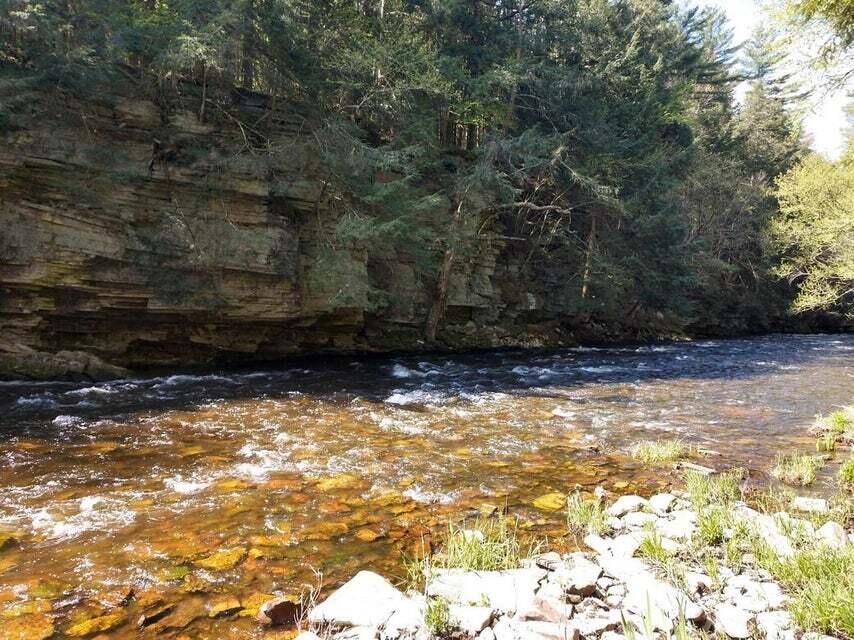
(660, 451)
(711, 523)
(652, 549)
(437, 617)
(846, 472)
(820, 584)
(716, 490)
(584, 517)
(796, 469)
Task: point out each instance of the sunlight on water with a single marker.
(183, 487)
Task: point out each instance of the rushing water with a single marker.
(189, 488)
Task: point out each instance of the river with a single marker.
(188, 488)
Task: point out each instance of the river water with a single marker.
(190, 488)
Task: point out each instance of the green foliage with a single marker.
(819, 582)
(585, 516)
(814, 232)
(796, 469)
(437, 617)
(489, 545)
(713, 490)
(661, 451)
(846, 472)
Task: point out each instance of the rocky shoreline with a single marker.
(618, 590)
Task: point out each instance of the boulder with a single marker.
(367, 600)
(662, 503)
(504, 591)
(832, 534)
(625, 546)
(626, 504)
(776, 625)
(664, 602)
(591, 625)
(639, 519)
(546, 609)
(357, 633)
(578, 576)
(470, 620)
(733, 621)
(813, 505)
(597, 543)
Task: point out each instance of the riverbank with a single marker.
(678, 565)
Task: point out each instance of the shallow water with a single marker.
(160, 485)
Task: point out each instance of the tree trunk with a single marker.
(588, 260)
(440, 297)
(248, 61)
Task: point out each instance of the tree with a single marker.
(814, 232)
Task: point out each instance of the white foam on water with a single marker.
(41, 400)
(425, 496)
(560, 412)
(404, 398)
(399, 371)
(95, 513)
(66, 421)
(186, 487)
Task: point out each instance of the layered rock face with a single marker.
(134, 236)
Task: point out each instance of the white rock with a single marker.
(664, 602)
(624, 546)
(579, 575)
(639, 519)
(733, 621)
(615, 524)
(549, 561)
(680, 525)
(775, 625)
(367, 600)
(589, 625)
(626, 504)
(357, 633)
(470, 620)
(670, 545)
(486, 634)
(307, 635)
(832, 534)
(751, 595)
(698, 582)
(597, 543)
(623, 568)
(662, 502)
(546, 609)
(547, 631)
(502, 590)
(406, 620)
(612, 635)
(816, 505)
(768, 529)
(470, 535)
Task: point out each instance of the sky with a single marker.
(826, 123)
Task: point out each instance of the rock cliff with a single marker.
(135, 236)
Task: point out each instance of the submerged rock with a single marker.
(96, 625)
(551, 501)
(37, 626)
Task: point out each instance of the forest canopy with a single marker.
(603, 132)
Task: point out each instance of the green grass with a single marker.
(796, 469)
(584, 517)
(437, 617)
(711, 523)
(820, 584)
(652, 549)
(826, 442)
(489, 545)
(846, 472)
(720, 490)
(660, 451)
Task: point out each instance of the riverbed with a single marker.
(188, 489)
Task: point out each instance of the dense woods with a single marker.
(603, 134)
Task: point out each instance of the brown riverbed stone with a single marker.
(224, 606)
(342, 481)
(37, 626)
(96, 625)
(366, 534)
(222, 560)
